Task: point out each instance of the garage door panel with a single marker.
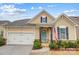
(20, 38)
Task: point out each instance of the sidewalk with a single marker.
(46, 51)
(43, 51)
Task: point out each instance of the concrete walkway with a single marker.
(15, 50)
(47, 51)
(43, 51)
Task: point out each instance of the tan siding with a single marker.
(37, 36)
(77, 32)
(65, 22)
(2, 29)
(37, 19)
(28, 30)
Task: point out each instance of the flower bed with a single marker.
(68, 45)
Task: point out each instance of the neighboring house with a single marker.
(2, 24)
(43, 27)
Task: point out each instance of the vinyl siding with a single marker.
(63, 21)
(37, 20)
(16, 29)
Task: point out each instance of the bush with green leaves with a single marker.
(37, 44)
(63, 44)
(71, 44)
(53, 45)
(77, 44)
(2, 41)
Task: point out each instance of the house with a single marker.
(2, 24)
(43, 27)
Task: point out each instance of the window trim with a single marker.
(61, 33)
(43, 22)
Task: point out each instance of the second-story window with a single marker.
(43, 19)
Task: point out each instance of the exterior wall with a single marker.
(2, 29)
(20, 29)
(37, 33)
(34, 30)
(63, 21)
(77, 32)
(37, 19)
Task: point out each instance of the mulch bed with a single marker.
(66, 49)
(36, 49)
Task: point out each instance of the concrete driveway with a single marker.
(15, 50)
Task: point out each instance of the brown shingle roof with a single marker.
(19, 23)
(4, 22)
(24, 21)
(75, 19)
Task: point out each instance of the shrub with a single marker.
(53, 45)
(63, 44)
(77, 44)
(37, 44)
(67, 44)
(2, 41)
(71, 44)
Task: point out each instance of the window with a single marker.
(63, 33)
(43, 19)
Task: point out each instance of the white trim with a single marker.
(62, 26)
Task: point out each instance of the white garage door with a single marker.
(20, 38)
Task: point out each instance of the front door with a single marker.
(43, 36)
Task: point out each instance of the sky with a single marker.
(17, 11)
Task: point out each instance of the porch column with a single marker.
(40, 34)
(51, 35)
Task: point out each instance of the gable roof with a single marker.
(43, 11)
(4, 22)
(25, 22)
(19, 23)
(75, 19)
(66, 17)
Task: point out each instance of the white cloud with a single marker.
(32, 7)
(71, 12)
(11, 9)
(40, 7)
